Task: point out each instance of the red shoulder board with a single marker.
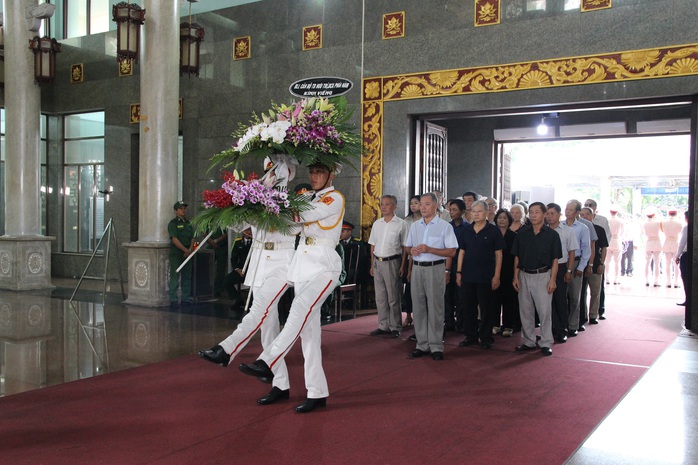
(327, 200)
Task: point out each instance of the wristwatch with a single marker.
(569, 271)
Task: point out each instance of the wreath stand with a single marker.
(109, 232)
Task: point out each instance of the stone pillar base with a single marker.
(148, 274)
(25, 262)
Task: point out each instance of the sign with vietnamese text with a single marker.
(325, 87)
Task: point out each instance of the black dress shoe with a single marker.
(274, 395)
(395, 333)
(524, 348)
(582, 328)
(215, 355)
(682, 304)
(258, 369)
(546, 351)
(416, 353)
(561, 339)
(468, 341)
(413, 338)
(602, 317)
(437, 355)
(311, 404)
(593, 321)
(572, 333)
(485, 345)
(379, 332)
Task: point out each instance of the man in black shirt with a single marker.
(536, 251)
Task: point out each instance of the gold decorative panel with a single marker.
(242, 48)
(312, 37)
(487, 12)
(77, 73)
(394, 25)
(371, 163)
(126, 68)
(665, 62)
(135, 114)
(591, 5)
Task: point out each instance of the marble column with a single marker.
(25, 255)
(148, 264)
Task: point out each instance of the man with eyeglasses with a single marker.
(492, 206)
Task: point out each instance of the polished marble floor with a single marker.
(45, 340)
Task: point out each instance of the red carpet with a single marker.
(476, 406)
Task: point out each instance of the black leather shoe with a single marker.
(437, 355)
(582, 328)
(546, 351)
(561, 338)
(602, 317)
(682, 304)
(416, 353)
(524, 348)
(468, 341)
(215, 355)
(311, 404)
(572, 333)
(395, 333)
(378, 332)
(413, 338)
(258, 369)
(593, 321)
(274, 395)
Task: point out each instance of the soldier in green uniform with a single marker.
(181, 235)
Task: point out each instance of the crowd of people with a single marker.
(504, 270)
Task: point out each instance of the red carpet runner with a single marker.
(474, 407)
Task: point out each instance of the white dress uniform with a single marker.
(653, 247)
(314, 273)
(271, 255)
(615, 247)
(672, 230)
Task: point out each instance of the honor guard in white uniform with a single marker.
(266, 275)
(672, 230)
(314, 272)
(653, 247)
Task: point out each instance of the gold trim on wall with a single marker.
(77, 73)
(487, 12)
(312, 37)
(592, 5)
(394, 25)
(664, 62)
(242, 48)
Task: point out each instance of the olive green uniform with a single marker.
(182, 230)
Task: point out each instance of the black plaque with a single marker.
(324, 87)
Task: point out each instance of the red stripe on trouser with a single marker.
(242, 343)
(305, 320)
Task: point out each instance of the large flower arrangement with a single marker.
(308, 131)
(305, 132)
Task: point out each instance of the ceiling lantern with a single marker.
(190, 37)
(45, 50)
(128, 18)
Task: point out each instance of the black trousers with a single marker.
(626, 260)
(506, 298)
(453, 309)
(560, 308)
(482, 295)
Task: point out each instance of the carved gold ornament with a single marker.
(665, 62)
(242, 48)
(312, 37)
(591, 5)
(487, 12)
(394, 25)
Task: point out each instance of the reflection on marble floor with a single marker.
(46, 340)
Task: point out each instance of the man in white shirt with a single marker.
(387, 266)
(432, 245)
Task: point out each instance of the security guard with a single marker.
(181, 235)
